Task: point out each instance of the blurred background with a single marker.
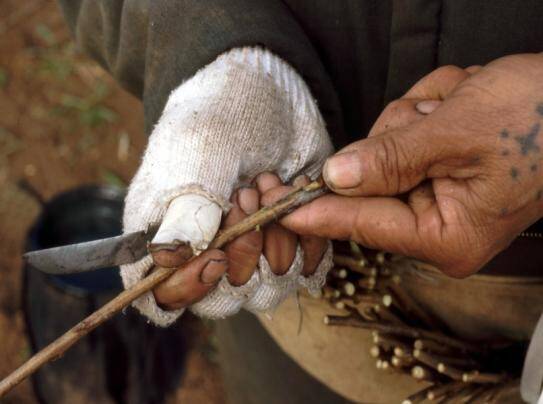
(64, 123)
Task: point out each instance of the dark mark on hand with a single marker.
(533, 168)
(504, 134)
(514, 173)
(527, 142)
(505, 152)
(539, 109)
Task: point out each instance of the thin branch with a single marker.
(404, 331)
(295, 199)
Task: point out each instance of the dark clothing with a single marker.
(263, 373)
(356, 55)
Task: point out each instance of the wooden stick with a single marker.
(404, 331)
(402, 362)
(483, 378)
(356, 265)
(434, 347)
(434, 363)
(461, 361)
(437, 392)
(387, 316)
(418, 397)
(295, 199)
(375, 351)
(422, 373)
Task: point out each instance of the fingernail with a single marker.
(343, 170)
(427, 106)
(301, 181)
(213, 271)
(170, 255)
(248, 200)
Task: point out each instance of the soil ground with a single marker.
(63, 123)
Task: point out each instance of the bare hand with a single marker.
(454, 187)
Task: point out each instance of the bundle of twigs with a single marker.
(409, 340)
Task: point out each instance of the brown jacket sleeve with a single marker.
(151, 46)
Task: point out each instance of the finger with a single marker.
(389, 164)
(380, 223)
(397, 114)
(279, 248)
(189, 218)
(313, 247)
(388, 224)
(438, 84)
(473, 69)
(383, 223)
(279, 243)
(422, 199)
(266, 181)
(192, 282)
(244, 252)
(301, 181)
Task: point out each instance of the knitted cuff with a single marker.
(315, 282)
(146, 304)
(226, 299)
(275, 288)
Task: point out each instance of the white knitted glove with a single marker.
(245, 113)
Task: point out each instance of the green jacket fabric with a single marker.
(356, 55)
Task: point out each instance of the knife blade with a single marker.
(83, 257)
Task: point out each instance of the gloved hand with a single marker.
(246, 113)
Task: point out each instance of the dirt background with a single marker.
(63, 123)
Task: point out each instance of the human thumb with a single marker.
(190, 218)
(389, 164)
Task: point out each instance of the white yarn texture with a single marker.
(245, 113)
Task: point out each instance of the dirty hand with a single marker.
(454, 187)
(246, 113)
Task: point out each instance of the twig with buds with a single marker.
(405, 331)
(408, 339)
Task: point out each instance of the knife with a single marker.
(128, 248)
(83, 257)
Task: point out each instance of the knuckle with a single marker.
(450, 72)
(399, 107)
(392, 106)
(166, 299)
(387, 157)
(244, 249)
